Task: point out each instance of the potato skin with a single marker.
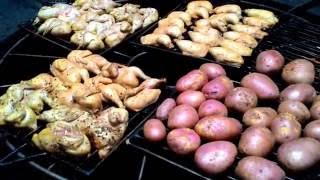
(165, 107)
(298, 71)
(215, 157)
(256, 141)
(212, 70)
(312, 130)
(269, 62)
(304, 93)
(154, 130)
(183, 141)
(253, 167)
(259, 116)
(212, 107)
(315, 108)
(217, 88)
(262, 85)
(308, 150)
(285, 127)
(182, 116)
(214, 128)
(241, 99)
(194, 80)
(191, 97)
(296, 108)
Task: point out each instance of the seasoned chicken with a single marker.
(228, 8)
(105, 5)
(142, 99)
(136, 21)
(261, 13)
(61, 112)
(192, 48)
(173, 31)
(241, 37)
(87, 40)
(221, 21)
(256, 21)
(113, 92)
(225, 55)
(157, 40)
(182, 15)
(55, 26)
(62, 137)
(150, 15)
(210, 39)
(129, 76)
(151, 83)
(199, 12)
(172, 22)
(199, 9)
(253, 31)
(240, 48)
(47, 12)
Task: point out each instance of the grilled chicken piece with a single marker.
(256, 21)
(151, 83)
(228, 8)
(55, 26)
(240, 48)
(61, 112)
(87, 40)
(129, 76)
(157, 40)
(181, 15)
(113, 92)
(142, 99)
(150, 15)
(210, 39)
(240, 37)
(221, 21)
(172, 22)
(62, 137)
(253, 31)
(199, 9)
(261, 13)
(192, 48)
(225, 55)
(105, 5)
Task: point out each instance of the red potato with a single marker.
(165, 107)
(253, 168)
(214, 128)
(212, 70)
(212, 107)
(298, 71)
(299, 154)
(182, 116)
(154, 130)
(215, 157)
(256, 141)
(269, 62)
(262, 85)
(194, 80)
(315, 108)
(218, 88)
(304, 93)
(241, 99)
(296, 108)
(259, 116)
(285, 127)
(183, 141)
(312, 130)
(191, 97)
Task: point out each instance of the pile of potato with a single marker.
(221, 31)
(198, 121)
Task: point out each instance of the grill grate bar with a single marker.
(34, 55)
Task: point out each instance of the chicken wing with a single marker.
(240, 37)
(240, 48)
(150, 15)
(225, 55)
(256, 21)
(157, 40)
(142, 99)
(228, 8)
(210, 39)
(192, 48)
(221, 21)
(253, 31)
(182, 15)
(261, 13)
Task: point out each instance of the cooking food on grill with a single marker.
(182, 116)
(315, 108)
(285, 127)
(194, 80)
(241, 99)
(299, 71)
(212, 70)
(296, 108)
(253, 167)
(259, 116)
(143, 99)
(218, 88)
(94, 24)
(183, 141)
(269, 62)
(304, 93)
(215, 157)
(154, 130)
(212, 107)
(204, 33)
(299, 154)
(312, 130)
(164, 108)
(192, 98)
(256, 141)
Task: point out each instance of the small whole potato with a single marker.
(269, 62)
(212, 107)
(315, 108)
(262, 85)
(182, 116)
(154, 130)
(298, 71)
(191, 97)
(285, 127)
(214, 128)
(212, 70)
(253, 167)
(312, 130)
(194, 80)
(215, 157)
(304, 93)
(183, 141)
(256, 141)
(165, 107)
(259, 116)
(241, 99)
(218, 88)
(296, 108)
(299, 154)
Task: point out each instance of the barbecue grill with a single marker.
(296, 36)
